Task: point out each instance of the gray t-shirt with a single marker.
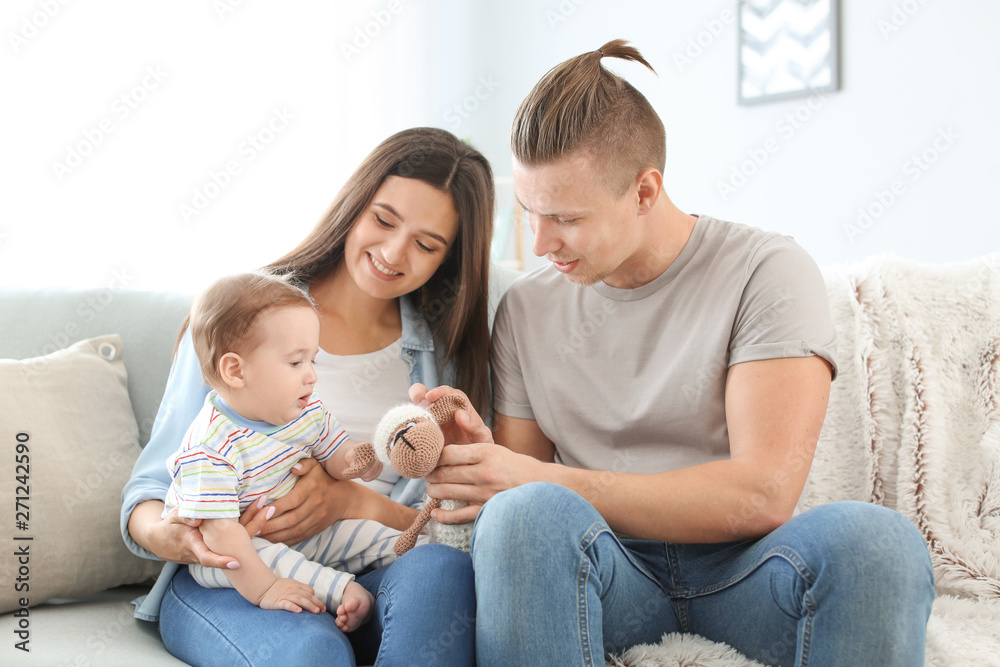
(633, 380)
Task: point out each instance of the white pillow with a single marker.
(68, 440)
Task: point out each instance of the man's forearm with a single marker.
(719, 501)
(713, 502)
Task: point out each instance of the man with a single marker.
(666, 379)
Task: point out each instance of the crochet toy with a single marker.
(409, 438)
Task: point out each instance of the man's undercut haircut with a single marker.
(581, 106)
(222, 317)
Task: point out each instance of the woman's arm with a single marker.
(175, 538)
(183, 397)
(146, 532)
(317, 501)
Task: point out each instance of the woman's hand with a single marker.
(468, 426)
(175, 538)
(316, 501)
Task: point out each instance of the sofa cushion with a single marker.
(36, 322)
(96, 630)
(71, 440)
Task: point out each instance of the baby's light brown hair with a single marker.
(223, 316)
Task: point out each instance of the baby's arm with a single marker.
(253, 579)
(333, 436)
(342, 458)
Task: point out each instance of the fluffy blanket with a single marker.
(913, 424)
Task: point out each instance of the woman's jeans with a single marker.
(425, 614)
(846, 583)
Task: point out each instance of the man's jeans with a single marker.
(846, 583)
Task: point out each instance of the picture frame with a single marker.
(787, 48)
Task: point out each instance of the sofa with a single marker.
(913, 424)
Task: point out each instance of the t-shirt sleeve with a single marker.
(330, 435)
(205, 485)
(510, 396)
(784, 310)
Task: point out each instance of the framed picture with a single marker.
(787, 48)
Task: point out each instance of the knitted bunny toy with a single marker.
(409, 438)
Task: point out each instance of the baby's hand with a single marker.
(362, 462)
(291, 595)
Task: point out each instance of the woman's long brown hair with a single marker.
(454, 300)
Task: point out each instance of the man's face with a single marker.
(587, 232)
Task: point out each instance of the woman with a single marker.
(398, 266)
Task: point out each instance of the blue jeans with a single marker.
(425, 614)
(843, 584)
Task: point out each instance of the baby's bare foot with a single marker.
(355, 607)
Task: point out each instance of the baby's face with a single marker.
(279, 372)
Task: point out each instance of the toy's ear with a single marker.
(444, 408)
(364, 456)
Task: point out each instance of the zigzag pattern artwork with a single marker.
(787, 47)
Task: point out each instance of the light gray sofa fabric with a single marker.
(93, 631)
(37, 322)
(97, 629)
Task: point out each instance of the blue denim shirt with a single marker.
(184, 396)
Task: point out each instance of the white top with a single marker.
(358, 389)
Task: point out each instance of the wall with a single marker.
(165, 98)
(160, 145)
(917, 109)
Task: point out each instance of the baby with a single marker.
(256, 336)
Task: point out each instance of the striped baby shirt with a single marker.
(225, 462)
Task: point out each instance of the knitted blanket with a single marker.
(913, 424)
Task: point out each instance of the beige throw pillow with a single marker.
(69, 440)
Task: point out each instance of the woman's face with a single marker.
(401, 238)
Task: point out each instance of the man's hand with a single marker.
(316, 501)
(475, 473)
(468, 426)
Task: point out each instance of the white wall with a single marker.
(296, 76)
(938, 74)
(224, 66)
